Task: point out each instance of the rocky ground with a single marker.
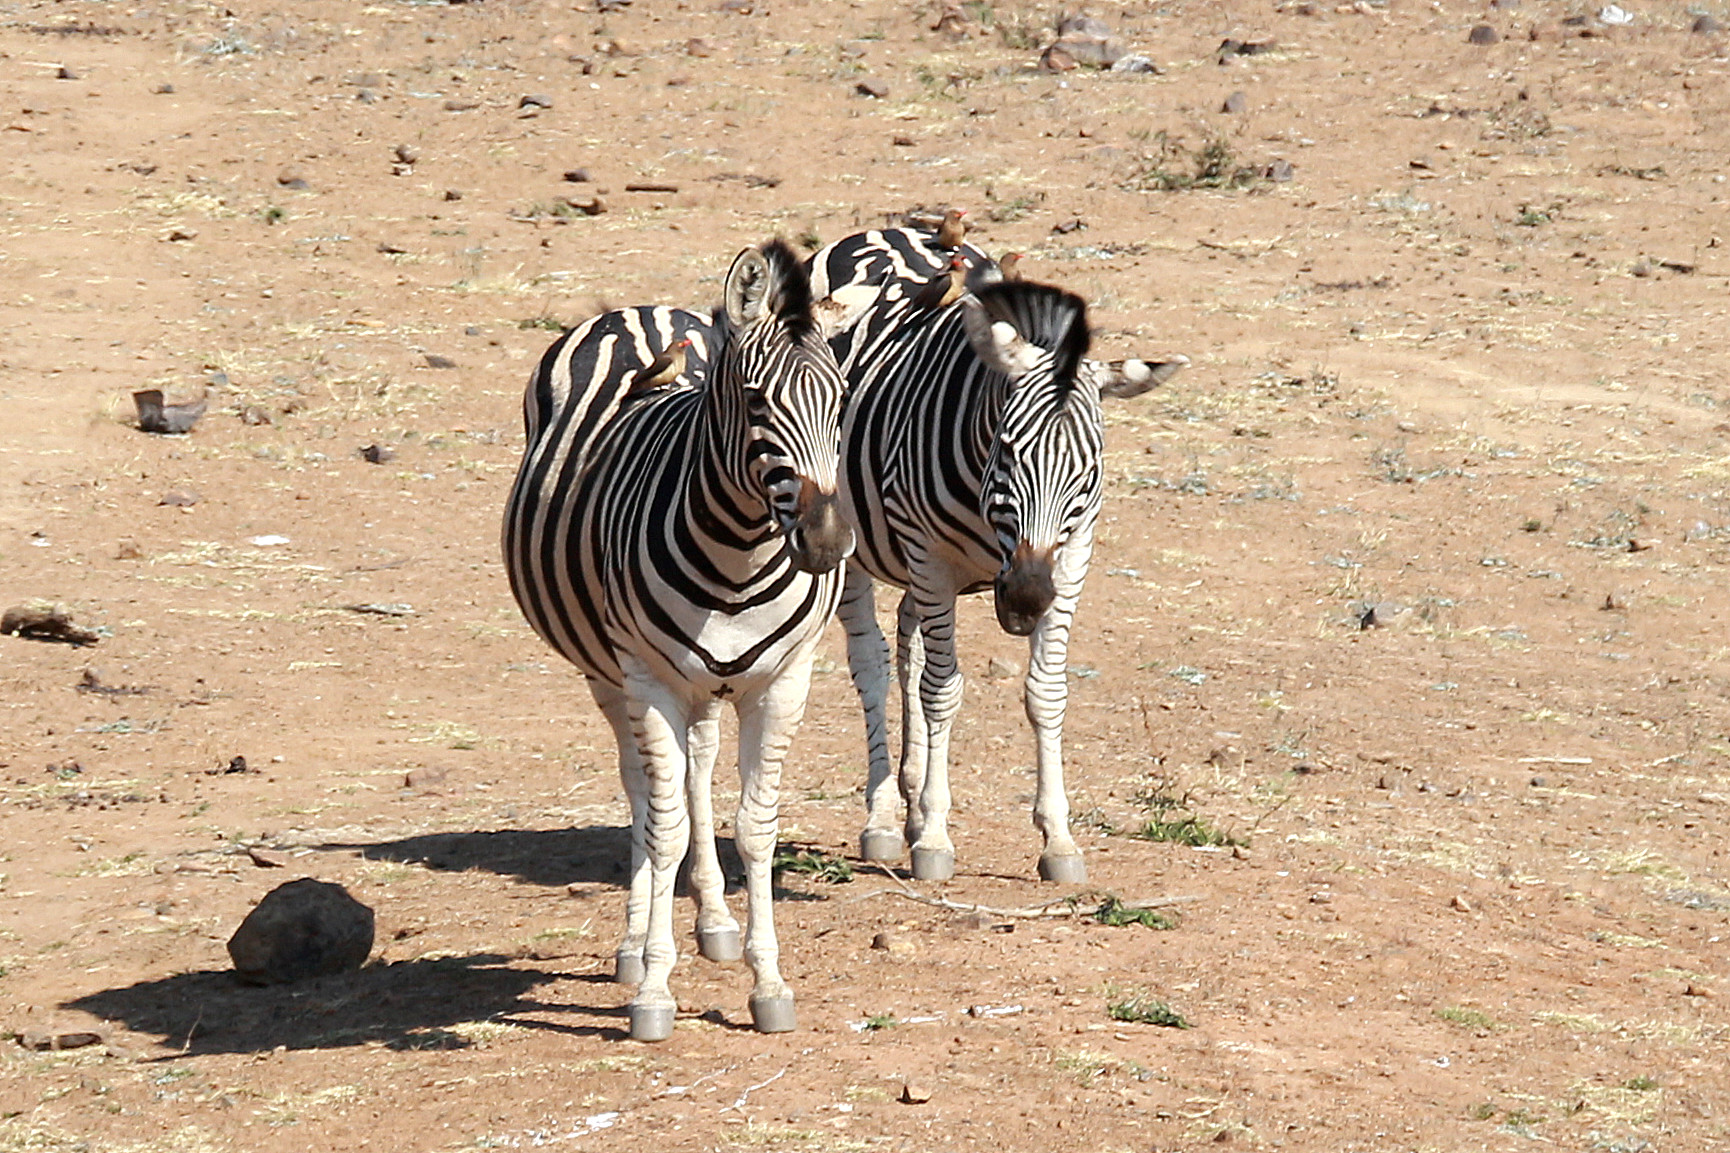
(1408, 606)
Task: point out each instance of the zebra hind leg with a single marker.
(939, 692)
(717, 931)
(868, 661)
(628, 958)
(662, 727)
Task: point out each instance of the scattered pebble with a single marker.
(377, 454)
(291, 178)
(1056, 59)
(154, 415)
(266, 860)
(1135, 63)
(179, 498)
(1483, 34)
(1236, 104)
(433, 360)
(54, 1042)
(698, 47)
(127, 549)
(267, 540)
(894, 944)
(577, 176)
(426, 778)
(453, 194)
(536, 100)
(914, 1093)
(999, 668)
(872, 87)
(1460, 904)
(1614, 16)
(163, 90)
(1706, 24)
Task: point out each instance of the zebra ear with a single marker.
(1134, 377)
(997, 343)
(747, 288)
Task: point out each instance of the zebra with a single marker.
(971, 458)
(680, 542)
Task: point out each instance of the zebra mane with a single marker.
(791, 292)
(1049, 317)
(789, 299)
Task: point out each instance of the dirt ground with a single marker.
(1413, 583)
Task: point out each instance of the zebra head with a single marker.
(1043, 471)
(779, 375)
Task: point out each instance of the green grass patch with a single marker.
(1467, 1018)
(813, 863)
(1112, 911)
(1144, 1009)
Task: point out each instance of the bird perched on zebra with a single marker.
(971, 458)
(681, 546)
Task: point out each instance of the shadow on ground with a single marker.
(594, 854)
(409, 1005)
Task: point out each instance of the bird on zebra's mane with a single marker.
(953, 230)
(1003, 270)
(1009, 266)
(665, 368)
(943, 289)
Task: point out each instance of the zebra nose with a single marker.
(1024, 589)
(819, 537)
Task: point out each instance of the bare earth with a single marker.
(1467, 368)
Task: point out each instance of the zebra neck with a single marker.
(720, 501)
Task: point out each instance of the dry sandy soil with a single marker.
(1466, 368)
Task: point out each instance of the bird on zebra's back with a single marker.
(953, 230)
(944, 289)
(681, 546)
(972, 458)
(665, 368)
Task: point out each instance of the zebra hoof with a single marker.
(1068, 869)
(651, 1022)
(720, 944)
(881, 845)
(774, 1014)
(933, 864)
(628, 968)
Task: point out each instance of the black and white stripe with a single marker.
(971, 458)
(680, 545)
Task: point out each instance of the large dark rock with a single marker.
(302, 929)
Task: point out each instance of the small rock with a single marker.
(425, 779)
(1091, 50)
(1226, 757)
(433, 360)
(1705, 25)
(999, 668)
(1614, 16)
(180, 234)
(1073, 224)
(535, 100)
(1056, 59)
(1693, 990)
(894, 944)
(577, 176)
(1539, 783)
(698, 47)
(461, 105)
(266, 860)
(158, 417)
(1483, 34)
(254, 415)
(901, 141)
(163, 90)
(377, 454)
(289, 178)
(951, 22)
(179, 498)
(1135, 63)
(973, 920)
(594, 206)
(127, 549)
(1236, 104)
(65, 73)
(54, 1042)
(33, 623)
(1322, 898)
(1083, 26)
(302, 929)
(914, 1093)
(1460, 904)
(405, 154)
(1280, 171)
(872, 87)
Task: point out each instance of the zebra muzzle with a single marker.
(819, 537)
(1024, 589)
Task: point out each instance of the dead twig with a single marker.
(1076, 906)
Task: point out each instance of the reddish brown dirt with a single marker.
(1469, 365)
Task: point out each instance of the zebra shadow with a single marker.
(591, 855)
(423, 1004)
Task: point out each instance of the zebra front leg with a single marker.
(661, 724)
(628, 958)
(940, 699)
(1046, 698)
(717, 932)
(767, 722)
(915, 739)
(868, 661)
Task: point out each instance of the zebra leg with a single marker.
(628, 958)
(662, 724)
(868, 661)
(915, 740)
(717, 932)
(1046, 697)
(940, 698)
(767, 721)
